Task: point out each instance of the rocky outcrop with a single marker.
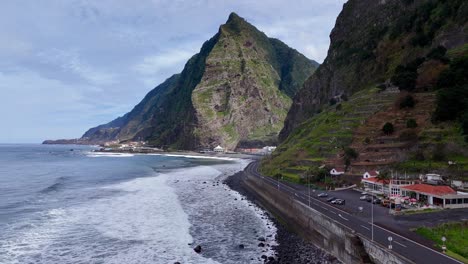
(237, 89)
(369, 40)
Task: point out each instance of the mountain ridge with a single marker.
(242, 87)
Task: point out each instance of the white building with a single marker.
(443, 196)
(370, 174)
(218, 149)
(337, 171)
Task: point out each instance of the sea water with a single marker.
(67, 204)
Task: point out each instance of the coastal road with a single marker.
(402, 245)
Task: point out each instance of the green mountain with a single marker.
(379, 45)
(235, 92)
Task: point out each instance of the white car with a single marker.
(364, 197)
(364, 193)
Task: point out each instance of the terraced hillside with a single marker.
(320, 139)
(378, 150)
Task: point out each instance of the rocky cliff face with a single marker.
(238, 89)
(375, 46)
(369, 40)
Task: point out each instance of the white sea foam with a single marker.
(192, 156)
(107, 154)
(146, 224)
(147, 220)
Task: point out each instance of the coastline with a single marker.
(290, 248)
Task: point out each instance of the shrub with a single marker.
(351, 153)
(366, 140)
(333, 101)
(408, 135)
(404, 78)
(338, 107)
(411, 123)
(388, 128)
(438, 53)
(407, 102)
(439, 153)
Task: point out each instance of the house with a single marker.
(337, 171)
(386, 187)
(370, 174)
(218, 149)
(443, 196)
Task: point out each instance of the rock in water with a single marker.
(198, 249)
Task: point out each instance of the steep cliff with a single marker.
(377, 49)
(369, 40)
(236, 91)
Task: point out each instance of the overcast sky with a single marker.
(66, 66)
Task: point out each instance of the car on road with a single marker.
(369, 199)
(331, 199)
(376, 201)
(321, 195)
(362, 198)
(364, 193)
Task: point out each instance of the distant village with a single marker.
(143, 147)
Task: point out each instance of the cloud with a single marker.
(68, 65)
(71, 61)
(155, 63)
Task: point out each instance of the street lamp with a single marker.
(372, 217)
(308, 177)
(390, 242)
(443, 246)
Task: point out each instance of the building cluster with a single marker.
(427, 189)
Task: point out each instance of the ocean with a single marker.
(67, 204)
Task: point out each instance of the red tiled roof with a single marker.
(375, 180)
(373, 173)
(430, 189)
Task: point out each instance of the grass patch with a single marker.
(424, 211)
(456, 234)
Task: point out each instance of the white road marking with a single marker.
(333, 212)
(365, 227)
(324, 208)
(399, 244)
(342, 217)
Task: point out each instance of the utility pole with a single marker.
(308, 177)
(372, 217)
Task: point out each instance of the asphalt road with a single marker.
(402, 245)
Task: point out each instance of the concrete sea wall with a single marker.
(324, 232)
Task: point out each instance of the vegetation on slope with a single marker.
(324, 135)
(169, 116)
(455, 234)
(370, 39)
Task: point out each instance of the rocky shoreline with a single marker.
(291, 247)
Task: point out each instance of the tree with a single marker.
(411, 123)
(388, 128)
(407, 102)
(349, 154)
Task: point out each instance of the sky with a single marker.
(66, 66)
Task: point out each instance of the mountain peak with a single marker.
(236, 24)
(233, 18)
